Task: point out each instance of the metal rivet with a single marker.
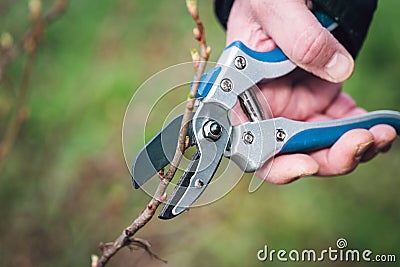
(199, 183)
(226, 85)
(280, 135)
(240, 62)
(212, 130)
(248, 138)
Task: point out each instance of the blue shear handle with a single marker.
(324, 134)
(277, 55)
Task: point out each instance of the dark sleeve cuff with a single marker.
(353, 17)
(222, 9)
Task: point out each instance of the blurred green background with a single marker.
(65, 187)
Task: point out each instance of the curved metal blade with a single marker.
(180, 188)
(158, 152)
(205, 162)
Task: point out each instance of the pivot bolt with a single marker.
(240, 62)
(280, 135)
(199, 183)
(212, 130)
(248, 138)
(226, 85)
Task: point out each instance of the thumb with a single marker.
(296, 30)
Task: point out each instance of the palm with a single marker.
(303, 97)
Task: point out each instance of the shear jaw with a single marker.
(212, 130)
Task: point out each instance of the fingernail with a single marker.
(339, 67)
(361, 150)
(308, 173)
(385, 148)
(303, 175)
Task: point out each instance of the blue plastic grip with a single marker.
(275, 55)
(206, 82)
(324, 19)
(318, 138)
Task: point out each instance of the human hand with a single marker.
(303, 97)
(263, 25)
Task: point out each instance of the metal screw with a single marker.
(199, 183)
(280, 135)
(248, 138)
(226, 85)
(240, 62)
(212, 130)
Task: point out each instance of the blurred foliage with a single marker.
(65, 187)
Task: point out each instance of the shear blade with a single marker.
(179, 190)
(158, 152)
(204, 163)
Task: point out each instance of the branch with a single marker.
(199, 62)
(34, 34)
(28, 44)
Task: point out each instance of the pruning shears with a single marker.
(250, 145)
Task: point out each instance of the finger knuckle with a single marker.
(309, 46)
